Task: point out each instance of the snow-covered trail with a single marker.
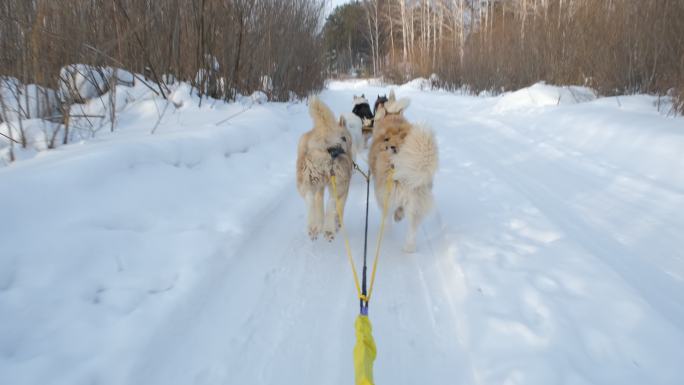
(554, 256)
(525, 274)
(278, 308)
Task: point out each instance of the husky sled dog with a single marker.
(380, 101)
(359, 123)
(354, 124)
(362, 110)
(324, 150)
(411, 150)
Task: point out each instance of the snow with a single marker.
(80, 82)
(88, 81)
(541, 94)
(181, 257)
(420, 84)
(358, 84)
(25, 101)
(259, 97)
(123, 77)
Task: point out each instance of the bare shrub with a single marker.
(223, 47)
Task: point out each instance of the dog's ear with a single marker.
(397, 106)
(343, 121)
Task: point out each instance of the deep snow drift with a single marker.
(554, 254)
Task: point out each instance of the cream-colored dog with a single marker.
(411, 151)
(322, 152)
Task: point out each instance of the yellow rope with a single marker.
(338, 206)
(385, 204)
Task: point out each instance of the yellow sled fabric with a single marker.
(364, 351)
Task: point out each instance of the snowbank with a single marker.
(421, 84)
(627, 132)
(102, 237)
(541, 94)
(25, 101)
(89, 120)
(353, 83)
(80, 82)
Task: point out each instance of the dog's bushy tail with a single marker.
(354, 125)
(320, 113)
(416, 163)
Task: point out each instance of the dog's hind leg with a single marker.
(314, 200)
(329, 226)
(414, 219)
(319, 208)
(332, 220)
(311, 214)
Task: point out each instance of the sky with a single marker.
(331, 4)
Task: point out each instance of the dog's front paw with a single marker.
(313, 233)
(410, 248)
(398, 214)
(329, 235)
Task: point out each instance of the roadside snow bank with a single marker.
(19, 101)
(80, 82)
(627, 131)
(353, 83)
(542, 94)
(421, 84)
(101, 237)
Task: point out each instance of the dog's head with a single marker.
(337, 140)
(380, 101)
(360, 99)
(391, 139)
(363, 111)
(328, 134)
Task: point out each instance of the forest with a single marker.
(613, 46)
(287, 48)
